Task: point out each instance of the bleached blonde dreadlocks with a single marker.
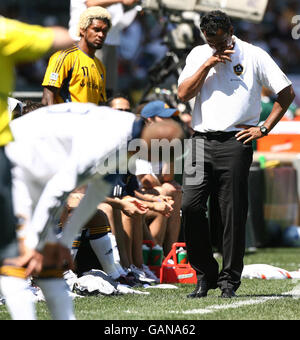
(94, 12)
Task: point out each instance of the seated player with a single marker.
(56, 150)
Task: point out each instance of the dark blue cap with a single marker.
(158, 108)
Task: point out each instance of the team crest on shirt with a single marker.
(238, 69)
(54, 76)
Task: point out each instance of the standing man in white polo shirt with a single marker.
(226, 76)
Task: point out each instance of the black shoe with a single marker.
(228, 293)
(200, 290)
(129, 281)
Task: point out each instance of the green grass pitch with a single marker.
(256, 299)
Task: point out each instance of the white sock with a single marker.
(58, 300)
(18, 298)
(102, 247)
(116, 254)
(74, 253)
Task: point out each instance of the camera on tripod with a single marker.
(251, 10)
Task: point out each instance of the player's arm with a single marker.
(34, 42)
(96, 193)
(284, 99)
(57, 70)
(282, 103)
(40, 234)
(148, 181)
(49, 94)
(130, 206)
(191, 86)
(62, 38)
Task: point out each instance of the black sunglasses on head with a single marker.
(128, 110)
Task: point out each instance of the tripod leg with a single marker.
(145, 93)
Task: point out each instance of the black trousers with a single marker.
(8, 242)
(218, 167)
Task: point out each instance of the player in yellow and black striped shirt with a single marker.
(75, 74)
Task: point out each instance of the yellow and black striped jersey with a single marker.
(79, 77)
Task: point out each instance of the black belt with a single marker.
(216, 133)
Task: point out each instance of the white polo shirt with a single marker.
(231, 93)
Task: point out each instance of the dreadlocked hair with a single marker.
(94, 12)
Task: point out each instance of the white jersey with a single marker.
(76, 8)
(119, 20)
(231, 92)
(56, 149)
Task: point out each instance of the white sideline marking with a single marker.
(214, 308)
(295, 293)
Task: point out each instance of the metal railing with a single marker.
(27, 95)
